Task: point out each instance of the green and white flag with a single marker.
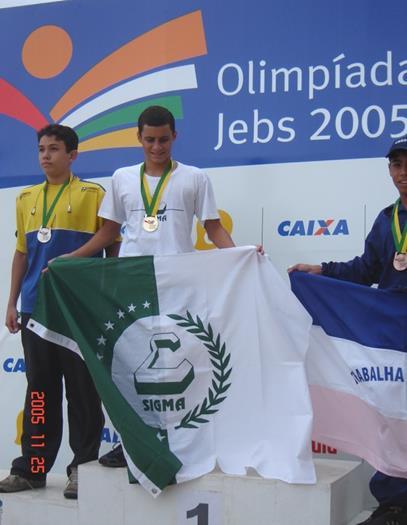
(198, 359)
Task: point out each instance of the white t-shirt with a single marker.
(188, 192)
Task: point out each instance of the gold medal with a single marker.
(400, 261)
(44, 234)
(150, 223)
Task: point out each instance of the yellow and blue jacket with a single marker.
(73, 222)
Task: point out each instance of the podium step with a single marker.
(40, 506)
(361, 517)
(106, 498)
(219, 499)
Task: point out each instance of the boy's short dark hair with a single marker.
(64, 133)
(156, 116)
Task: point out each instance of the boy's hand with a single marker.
(12, 317)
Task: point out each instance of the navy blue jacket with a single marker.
(375, 265)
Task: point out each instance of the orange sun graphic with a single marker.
(47, 51)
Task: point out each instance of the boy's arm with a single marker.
(217, 234)
(103, 238)
(113, 249)
(18, 269)
(307, 268)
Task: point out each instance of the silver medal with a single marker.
(44, 234)
(150, 223)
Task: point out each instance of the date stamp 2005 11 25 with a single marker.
(37, 463)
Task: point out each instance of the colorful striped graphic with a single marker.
(104, 104)
(125, 137)
(128, 115)
(174, 79)
(173, 41)
(16, 105)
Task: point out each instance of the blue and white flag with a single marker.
(357, 367)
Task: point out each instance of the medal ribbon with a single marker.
(46, 215)
(151, 203)
(400, 239)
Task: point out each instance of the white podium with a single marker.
(106, 498)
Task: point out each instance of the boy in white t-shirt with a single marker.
(157, 200)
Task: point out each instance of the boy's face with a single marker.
(54, 159)
(157, 144)
(398, 171)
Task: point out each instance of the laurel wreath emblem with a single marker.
(221, 371)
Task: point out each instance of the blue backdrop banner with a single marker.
(264, 82)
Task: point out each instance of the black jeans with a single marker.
(47, 365)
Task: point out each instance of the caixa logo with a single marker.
(109, 436)
(313, 227)
(14, 365)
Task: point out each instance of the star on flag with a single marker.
(101, 340)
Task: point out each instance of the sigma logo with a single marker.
(14, 365)
(313, 227)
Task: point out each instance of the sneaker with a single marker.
(114, 458)
(71, 488)
(16, 483)
(387, 515)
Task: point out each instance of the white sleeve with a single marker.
(112, 207)
(205, 204)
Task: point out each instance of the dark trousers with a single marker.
(47, 365)
(388, 489)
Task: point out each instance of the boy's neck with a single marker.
(59, 178)
(155, 170)
(403, 198)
